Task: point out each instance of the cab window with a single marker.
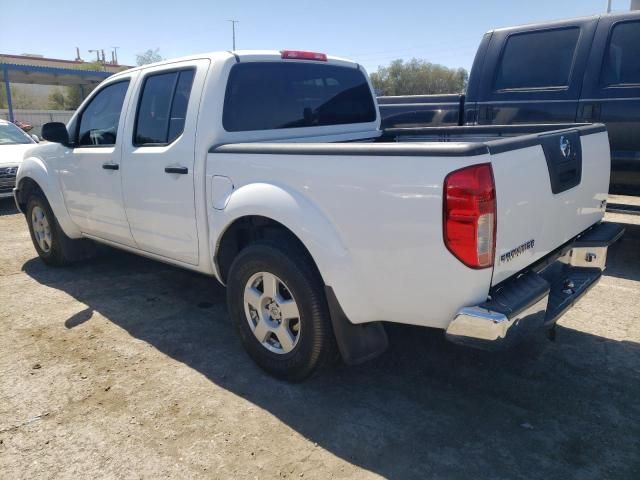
(535, 60)
(162, 109)
(99, 121)
(274, 95)
(621, 63)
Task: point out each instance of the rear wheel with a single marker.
(276, 301)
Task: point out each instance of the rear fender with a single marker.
(292, 210)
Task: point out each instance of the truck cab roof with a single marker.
(242, 56)
(571, 20)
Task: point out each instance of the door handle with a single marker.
(590, 112)
(180, 170)
(110, 166)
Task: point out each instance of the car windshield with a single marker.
(11, 135)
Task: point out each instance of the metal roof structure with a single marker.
(40, 75)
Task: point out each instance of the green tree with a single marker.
(418, 77)
(150, 56)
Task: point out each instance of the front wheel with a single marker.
(50, 242)
(276, 301)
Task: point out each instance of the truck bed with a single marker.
(398, 179)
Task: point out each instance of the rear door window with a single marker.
(622, 58)
(537, 60)
(162, 108)
(275, 95)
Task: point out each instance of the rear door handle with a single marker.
(180, 170)
(110, 166)
(590, 112)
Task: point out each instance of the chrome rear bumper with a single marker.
(534, 300)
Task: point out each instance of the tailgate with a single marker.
(549, 188)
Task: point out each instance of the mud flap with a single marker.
(357, 343)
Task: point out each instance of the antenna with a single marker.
(233, 31)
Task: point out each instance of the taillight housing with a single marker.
(303, 55)
(469, 222)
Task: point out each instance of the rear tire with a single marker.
(276, 301)
(50, 242)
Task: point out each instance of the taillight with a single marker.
(470, 215)
(300, 55)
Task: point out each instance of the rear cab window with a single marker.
(279, 95)
(537, 60)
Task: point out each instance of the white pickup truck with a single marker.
(268, 170)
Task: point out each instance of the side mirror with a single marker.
(35, 137)
(56, 132)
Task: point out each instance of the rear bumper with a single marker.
(534, 300)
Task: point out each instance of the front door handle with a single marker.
(180, 170)
(110, 166)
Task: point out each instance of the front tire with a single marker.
(276, 301)
(50, 242)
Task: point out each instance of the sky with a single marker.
(370, 32)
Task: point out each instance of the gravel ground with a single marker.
(125, 368)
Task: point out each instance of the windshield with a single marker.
(11, 135)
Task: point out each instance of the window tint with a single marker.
(537, 59)
(271, 95)
(163, 107)
(622, 61)
(99, 120)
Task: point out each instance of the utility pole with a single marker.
(97, 52)
(115, 55)
(233, 31)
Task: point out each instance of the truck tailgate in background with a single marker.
(549, 188)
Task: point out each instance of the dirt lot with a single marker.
(126, 368)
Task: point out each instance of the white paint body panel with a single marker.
(528, 210)
(372, 224)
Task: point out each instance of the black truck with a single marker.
(580, 70)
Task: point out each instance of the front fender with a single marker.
(294, 211)
(34, 168)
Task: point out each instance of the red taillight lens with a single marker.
(470, 215)
(300, 55)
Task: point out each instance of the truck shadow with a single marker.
(424, 409)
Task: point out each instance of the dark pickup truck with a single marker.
(580, 70)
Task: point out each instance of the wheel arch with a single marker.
(256, 210)
(34, 175)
